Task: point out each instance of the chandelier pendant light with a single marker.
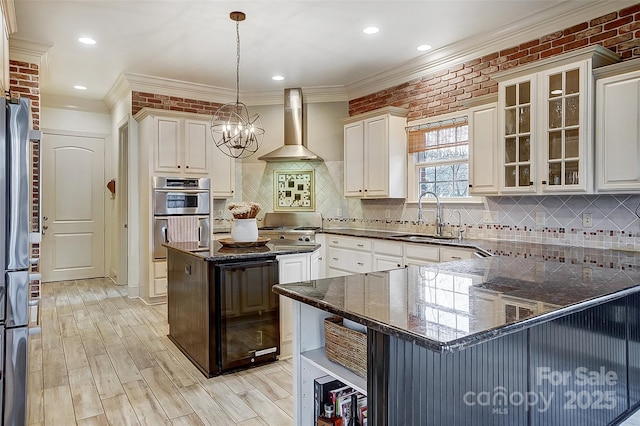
(234, 131)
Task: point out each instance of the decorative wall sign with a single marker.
(294, 190)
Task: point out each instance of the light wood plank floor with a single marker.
(105, 359)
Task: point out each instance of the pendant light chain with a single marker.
(237, 62)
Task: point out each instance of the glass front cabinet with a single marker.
(545, 124)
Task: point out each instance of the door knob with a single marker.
(45, 218)
(45, 227)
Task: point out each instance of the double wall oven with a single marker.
(175, 196)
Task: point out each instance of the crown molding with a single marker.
(617, 69)
(28, 51)
(9, 13)
(553, 19)
(596, 53)
(203, 92)
(120, 89)
(391, 110)
(73, 104)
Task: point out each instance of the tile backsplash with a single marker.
(538, 219)
(552, 219)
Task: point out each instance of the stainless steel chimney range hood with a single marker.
(294, 148)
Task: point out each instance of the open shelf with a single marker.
(318, 358)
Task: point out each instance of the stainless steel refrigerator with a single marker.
(14, 258)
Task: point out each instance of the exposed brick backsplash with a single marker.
(443, 92)
(24, 82)
(141, 100)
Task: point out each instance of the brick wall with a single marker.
(24, 82)
(141, 100)
(443, 91)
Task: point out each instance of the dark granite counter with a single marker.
(454, 305)
(219, 253)
(603, 258)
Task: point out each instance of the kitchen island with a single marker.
(494, 341)
(222, 313)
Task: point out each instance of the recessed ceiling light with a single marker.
(424, 47)
(78, 87)
(371, 30)
(86, 40)
(277, 78)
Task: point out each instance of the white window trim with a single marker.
(412, 180)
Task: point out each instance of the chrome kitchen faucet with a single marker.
(438, 212)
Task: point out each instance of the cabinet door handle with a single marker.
(456, 257)
(334, 258)
(398, 265)
(360, 245)
(544, 182)
(360, 263)
(365, 190)
(359, 190)
(187, 167)
(178, 166)
(470, 186)
(334, 241)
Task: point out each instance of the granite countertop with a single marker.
(450, 306)
(603, 258)
(218, 253)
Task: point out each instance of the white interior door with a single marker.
(73, 205)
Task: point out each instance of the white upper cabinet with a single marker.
(375, 151)
(181, 146)
(223, 174)
(618, 129)
(483, 144)
(167, 144)
(517, 134)
(197, 144)
(545, 124)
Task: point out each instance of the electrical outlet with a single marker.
(339, 212)
(587, 220)
(220, 213)
(387, 214)
(489, 216)
(539, 218)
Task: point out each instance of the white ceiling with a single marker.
(313, 44)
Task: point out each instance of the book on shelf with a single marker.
(322, 386)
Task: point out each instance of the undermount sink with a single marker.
(422, 237)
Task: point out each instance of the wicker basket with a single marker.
(345, 346)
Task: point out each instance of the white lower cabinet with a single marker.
(387, 255)
(293, 268)
(359, 255)
(159, 287)
(348, 255)
(448, 254)
(421, 254)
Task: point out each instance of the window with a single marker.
(441, 157)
